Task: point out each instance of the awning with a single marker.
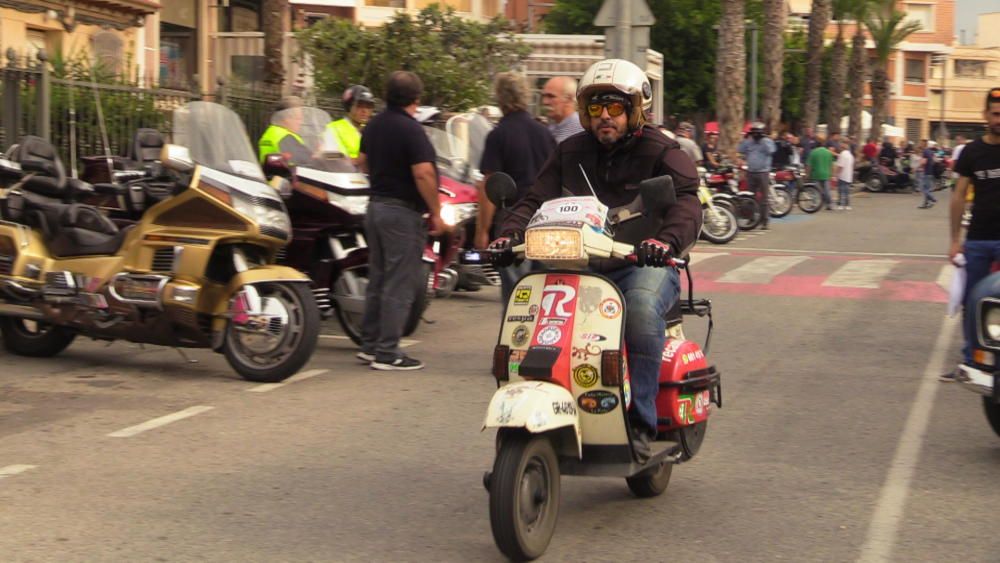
(326, 3)
(118, 14)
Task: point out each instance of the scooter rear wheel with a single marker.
(524, 495)
(992, 413)
(651, 482)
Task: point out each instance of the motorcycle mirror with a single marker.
(176, 158)
(277, 165)
(501, 189)
(658, 194)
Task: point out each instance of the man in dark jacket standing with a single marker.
(617, 153)
(519, 146)
(400, 159)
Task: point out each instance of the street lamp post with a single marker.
(942, 59)
(752, 26)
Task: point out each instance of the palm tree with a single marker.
(775, 16)
(858, 75)
(888, 28)
(838, 68)
(819, 17)
(730, 75)
(273, 26)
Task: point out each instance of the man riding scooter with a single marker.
(610, 162)
(359, 103)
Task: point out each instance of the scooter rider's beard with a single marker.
(604, 137)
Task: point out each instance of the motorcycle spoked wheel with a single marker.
(278, 354)
(810, 199)
(350, 285)
(718, 224)
(748, 214)
(780, 203)
(992, 411)
(26, 337)
(524, 495)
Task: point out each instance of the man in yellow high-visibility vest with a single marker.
(282, 136)
(359, 103)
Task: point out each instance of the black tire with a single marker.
(724, 202)
(748, 214)
(34, 338)
(718, 225)
(781, 202)
(874, 183)
(350, 282)
(691, 438)
(992, 411)
(810, 199)
(651, 482)
(421, 301)
(525, 465)
(293, 348)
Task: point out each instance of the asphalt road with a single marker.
(835, 443)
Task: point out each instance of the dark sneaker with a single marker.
(948, 376)
(365, 357)
(641, 446)
(402, 363)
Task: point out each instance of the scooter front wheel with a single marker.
(992, 413)
(524, 495)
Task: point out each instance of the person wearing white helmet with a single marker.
(619, 152)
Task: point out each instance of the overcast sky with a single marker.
(965, 16)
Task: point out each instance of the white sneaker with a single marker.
(848, 208)
(839, 208)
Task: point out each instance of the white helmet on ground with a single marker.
(616, 75)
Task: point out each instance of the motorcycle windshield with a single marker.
(470, 129)
(216, 138)
(450, 162)
(312, 126)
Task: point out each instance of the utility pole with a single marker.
(626, 26)
(752, 26)
(942, 59)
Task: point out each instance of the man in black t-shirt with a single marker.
(400, 159)
(519, 146)
(978, 166)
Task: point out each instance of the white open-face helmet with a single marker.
(616, 75)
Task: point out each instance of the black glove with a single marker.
(501, 253)
(652, 252)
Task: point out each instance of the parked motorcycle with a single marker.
(719, 224)
(196, 270)
(884, 176)
(723, 181)
(563, 382)
(807, 195)
(981, 375)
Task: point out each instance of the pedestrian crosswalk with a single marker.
(822, 275)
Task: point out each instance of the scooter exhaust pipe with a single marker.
(22, 311)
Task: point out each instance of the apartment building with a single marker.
(965, 77)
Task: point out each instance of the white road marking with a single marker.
(761, 270)
(843, 252)
(14, 470)
(302, 375)
(158, 422)
(867, 274)
(944, 278)
(892, 499)
(404, 343)
(699, 257)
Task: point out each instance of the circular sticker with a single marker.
(520, 336)
(533, 310)
(611, 308)
(549, 335)
(597, 402)
(585, 375)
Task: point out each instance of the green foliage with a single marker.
(888, 27)
(683, 32)
(454, 57)
(794, 87)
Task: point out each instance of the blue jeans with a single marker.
(926, 184)
(824, 187)
(649, 295)
(979, 258)
(843, 193)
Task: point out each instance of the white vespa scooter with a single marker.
(563, 396)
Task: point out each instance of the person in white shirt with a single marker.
(845, 175)
(956, 152)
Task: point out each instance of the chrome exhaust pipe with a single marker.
(22, 311)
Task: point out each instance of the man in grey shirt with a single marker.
(559, 99)
(757, 151)
(685, 132)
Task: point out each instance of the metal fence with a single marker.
(69, 112)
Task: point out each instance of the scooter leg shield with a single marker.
(536, 406)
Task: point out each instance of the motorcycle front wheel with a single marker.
(524, 495)
(992, 411)
(718, 224)
(810, 198)
(748, 213)
(275, 352)
(348, 294)
(874, 183)
(26, 337)
(781, 201)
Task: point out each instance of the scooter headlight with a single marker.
(554, 244)
(991, 323)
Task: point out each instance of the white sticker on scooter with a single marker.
(549, 335)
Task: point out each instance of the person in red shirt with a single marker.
(870, 150)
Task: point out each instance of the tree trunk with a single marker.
(730, 76)
(880, 97)
(838, 81)
(774, 61)
(274, 40)
(859, 76)
(818, 20)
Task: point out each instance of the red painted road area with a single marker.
(908, 280)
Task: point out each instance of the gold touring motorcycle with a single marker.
(196, 270)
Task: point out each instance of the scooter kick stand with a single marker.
(187, 358)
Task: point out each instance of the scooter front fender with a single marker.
(536, 406)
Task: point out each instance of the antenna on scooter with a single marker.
(586, 179)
